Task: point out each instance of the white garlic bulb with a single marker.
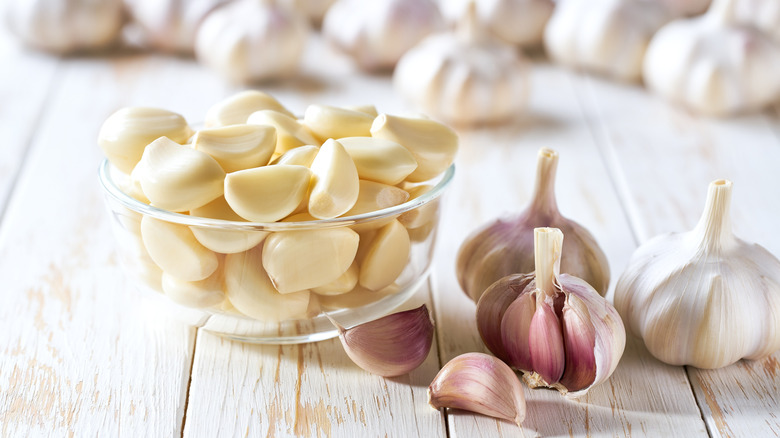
(713, 67)
(681, 8)
(762, 14)
(467, 77)
(252, 40)
(519, 22)
(64, 26)
(314, 10)
(703, 298)
(608, 37)
(376, 33)
(170, 25)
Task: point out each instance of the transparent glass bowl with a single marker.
(240, 284)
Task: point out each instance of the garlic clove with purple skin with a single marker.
(505, 246)
(492, 306)
(479, 383)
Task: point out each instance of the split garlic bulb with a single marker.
(506, 246)
(376, 33)
(703, 298)
(518, 22)
(252, 40)
(712, 66)
(466, 77)
(608, 37)
(170, 25)
(65, 26)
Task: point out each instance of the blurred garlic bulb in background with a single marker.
(712, 66)
(681, 8)
(170, 25)
(514, 21)
(608, 37)
(314, 10)
(464, 77)
(376, 33)
(65, 26)
(252, 40)
(762, 14)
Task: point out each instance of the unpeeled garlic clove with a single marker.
(479, 383)
(268, 193)
(300, 156)
(223, 240)
(125, 134)
(289, 132)
(179, 178)
(505, 246)
(175, 250)
(432, 144)
(237, 108)
(491, 308)
(303, 259)
(379, 160)
(335, 185)
(332, 122)
(392, 345)
(386, 256)
(237, 147)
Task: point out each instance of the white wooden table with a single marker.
(79, 357)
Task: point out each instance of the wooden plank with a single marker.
(495, 177)
(665, 158)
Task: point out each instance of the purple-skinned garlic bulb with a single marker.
(558, 331)
(506, 246)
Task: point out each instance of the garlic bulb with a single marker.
(713, 67)
(518, 22)
(761, 14)
(170, 25)
(479, 383)
(559, 331)
(376, 33)
(314, 10)
(608, 37)
(681, 8)
(392, 345)
(703, 298)
(466, 77)
(252, 40)
(505, 246)
(65, 26)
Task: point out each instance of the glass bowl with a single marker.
(239, 300)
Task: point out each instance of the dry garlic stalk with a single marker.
(703, 298)
(505, 246)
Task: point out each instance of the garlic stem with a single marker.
(548, 243)
(544, 190)
(714, 227)
(721, 11)
(468, 28)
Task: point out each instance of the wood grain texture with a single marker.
(643, 397)
(665, 172)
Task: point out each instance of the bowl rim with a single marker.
(117, 195)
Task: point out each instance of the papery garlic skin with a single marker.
(65, 26)
(608, 37)
(468, 77)
(376, 33)
(505, 246)
(703, 298)
(249, 41)
(520, 22)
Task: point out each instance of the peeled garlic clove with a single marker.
(479, 383)
(335, 183)
(379, 160)
(705, 297)
(374, 196)
(332, 122)
(432, 144)
(297, 260)
(237, 108)
(367, 109)
(422, 215)
(128, 184)
(251, 292)
(125, 134)
(505, 246)
(175, 250)
(357, 297)
(299, 217)
(345, 283)
(300, 156)
(268, 193)
(386, 256)
(237, 147)
(179, 178)
(490, 312)
(199, 294)
(289, 133)
(222, 240)
(392, 345)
